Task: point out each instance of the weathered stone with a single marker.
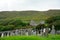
(7, 33)
(53, 30)
(33, 32)
(2, 35)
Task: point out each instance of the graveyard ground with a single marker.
(50, 37)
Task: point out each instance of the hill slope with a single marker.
(29, 15)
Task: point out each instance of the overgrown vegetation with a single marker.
(10, 20)
(55, 20)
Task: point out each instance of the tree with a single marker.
(5, 28)
(54, 21)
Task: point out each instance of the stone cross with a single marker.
(53, 30)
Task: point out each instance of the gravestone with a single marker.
(7, 34)
(2, 35)
(41, 32)
(21, 31)
(26, 33)
(46, 31)
(53, 30)
(29, 31)
(33, 32)
(58, 32)
(11, 34)
(16, 32)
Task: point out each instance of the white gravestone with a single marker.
(2, 34)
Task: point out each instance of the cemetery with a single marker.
(29, 34)
(30, 31)
(29, 19)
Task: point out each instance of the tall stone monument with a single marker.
(53, 30)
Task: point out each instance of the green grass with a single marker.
(50, 37)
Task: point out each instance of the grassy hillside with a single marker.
(10, 20)
(29, 15)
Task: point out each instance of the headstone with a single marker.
(11, 34)
(58, 32)
(29, 31)
(21, 32)
(46, 31)
(2, 34)
(33, 32)
(16, 32)
(7, 34)
(41, 32)
(26, 33)
(53, 30)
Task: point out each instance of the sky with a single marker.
(19, 5)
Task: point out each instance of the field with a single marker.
(50, 37)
